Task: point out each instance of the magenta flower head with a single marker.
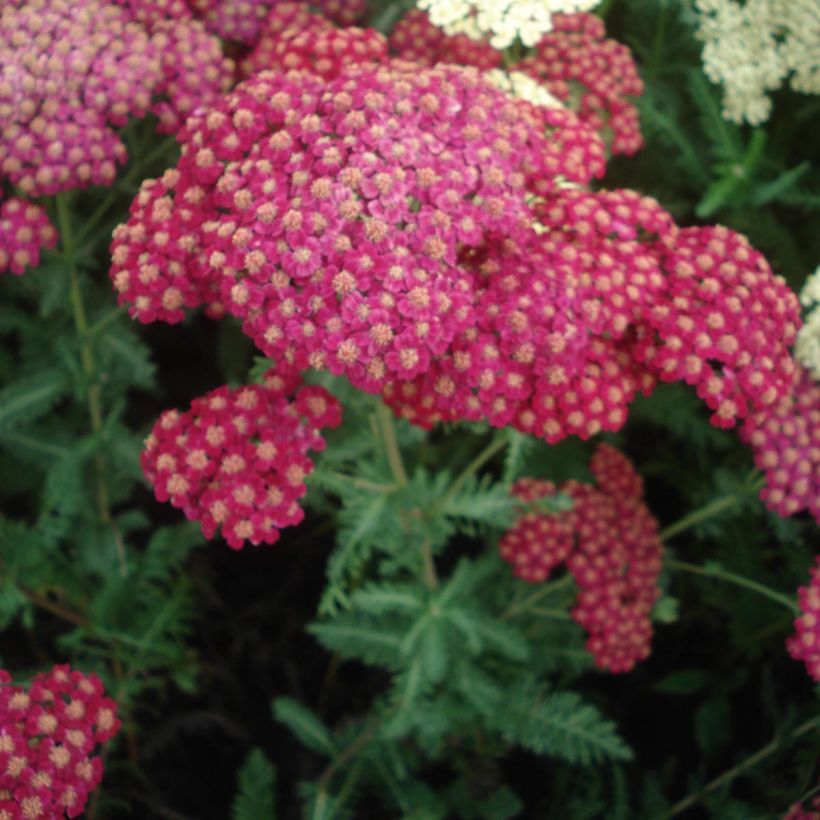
(336, 219)
(415, 38)
(611, 545)
(316, 47)
(577, 57)
(343, 12)
(236, 461)
(68, 71)
(24, 230)
(785, 442)
(804, 645)
(239, 20)
(725, 325)
(48, 735)
(194, 72)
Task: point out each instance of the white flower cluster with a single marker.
(518, 84)
(502, 20)
(807, 349)
(751, 48)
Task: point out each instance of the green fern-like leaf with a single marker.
(305, 725)
(255, 797)
(561, 725)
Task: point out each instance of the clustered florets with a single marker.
(751, 48)
(24, 230)
(596, 76)
(236, 461)
(48, 734)
(785, 442)
(415, 38)
(69, 70)
(805, 644)
(610, 543)
(809, 810)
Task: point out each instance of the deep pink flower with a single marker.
(785, 442)
(68, 70)
(236, 461)
(576, 56)
(24, 230)
(805, 644)
(48, 735)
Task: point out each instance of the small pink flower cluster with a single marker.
(576, 54)
(725, 325)
(236, 461)
(240, 20)
(150, 12)
(416, 39)
(785, 441)
(343, 12)
(610, 543)
(194, 72)
(68, 70)
(319, 48)
(805, 644)
(24, 230)
(48, 733)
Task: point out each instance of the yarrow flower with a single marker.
(807, 349)
(610, 543)
(725, 326)
(785, 442)
(24, 230)
(503, 21)
(415, 38)
(194, 72)
(236, 461)
(804, 645)
(521, 85)
(318, 48)
(750, 49)
(595, 76)
(49, 732)
(68, 70)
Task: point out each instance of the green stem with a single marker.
(361, 483)
(554, 614)
(518, 608)
(391, 444)
(93, 393)
(429, 574)
(744, 765)
(725, 575)
(471, 469)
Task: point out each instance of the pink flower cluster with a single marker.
(725, 325)
(610, 543)
(594, 75)
(333, 217)
(416, 39)
(67, 71)
(24, 230)
(48, 734)
(71, 71)
(236, 461)
(317, 47)
(785, 442)
(804, 645)
(194, 72)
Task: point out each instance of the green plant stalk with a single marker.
(520, 607)
(744, 765)
(94, 397)
(739, 580)
(471, 469)
(391, 444)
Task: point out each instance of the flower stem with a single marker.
(517, 608)
(93, 393)
(744, 765)
(472, 468)
(715, 571)
(391, 444)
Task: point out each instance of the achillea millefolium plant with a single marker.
(408, 412)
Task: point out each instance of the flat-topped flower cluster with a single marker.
(610, 544)
(49, 733)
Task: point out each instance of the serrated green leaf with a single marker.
(254, 799)
(305, 725)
